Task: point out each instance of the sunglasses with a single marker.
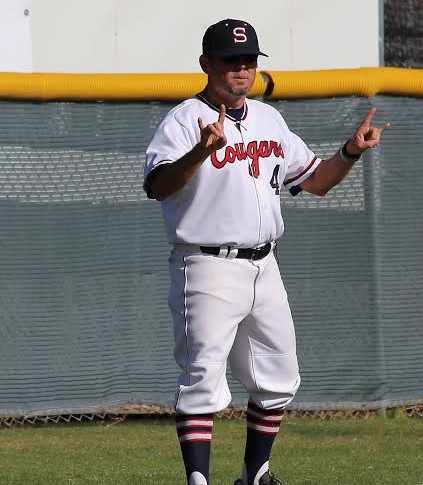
(247, 59)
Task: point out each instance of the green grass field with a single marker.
(374, 451)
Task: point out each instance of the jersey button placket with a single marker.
(249, 160)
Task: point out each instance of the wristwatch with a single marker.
(346, 156)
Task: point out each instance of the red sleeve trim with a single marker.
(293, 179)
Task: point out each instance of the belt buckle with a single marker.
(256, 253)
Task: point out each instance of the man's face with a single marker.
(233, 75)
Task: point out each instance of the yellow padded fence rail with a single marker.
(364, 82)
(85, 87)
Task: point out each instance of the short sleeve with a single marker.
(170, 142)
(302, 162)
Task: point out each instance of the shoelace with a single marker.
(273, 480)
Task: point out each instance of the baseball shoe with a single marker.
(266, 479)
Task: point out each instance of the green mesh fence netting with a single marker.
(84, 323)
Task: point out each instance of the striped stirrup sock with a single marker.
(195, 435)
(262, 428)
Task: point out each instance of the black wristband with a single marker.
(346, 156)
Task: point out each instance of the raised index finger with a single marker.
(222, 114)
(368, 119)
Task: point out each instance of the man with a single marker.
(217, 163)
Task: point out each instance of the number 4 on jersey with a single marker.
(274, 181)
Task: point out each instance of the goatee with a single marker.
(238, 92)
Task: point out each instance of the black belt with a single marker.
(243, 253)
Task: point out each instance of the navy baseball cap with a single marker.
(230, 38)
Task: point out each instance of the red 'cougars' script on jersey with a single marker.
(254, 151)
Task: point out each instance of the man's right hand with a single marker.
(176, 175)
(213, 135)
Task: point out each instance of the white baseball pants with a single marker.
(230, 308)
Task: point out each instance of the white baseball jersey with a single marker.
(233, 199)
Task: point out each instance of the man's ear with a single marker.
(204, 63)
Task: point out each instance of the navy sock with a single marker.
(262, 428)
(195, 434)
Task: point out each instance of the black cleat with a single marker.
(269, 479)
(266, 479)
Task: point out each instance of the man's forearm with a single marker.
(176, 175)
(328, 174)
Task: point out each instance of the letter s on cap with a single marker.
(239, 35)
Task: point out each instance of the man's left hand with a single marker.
(366, 136)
